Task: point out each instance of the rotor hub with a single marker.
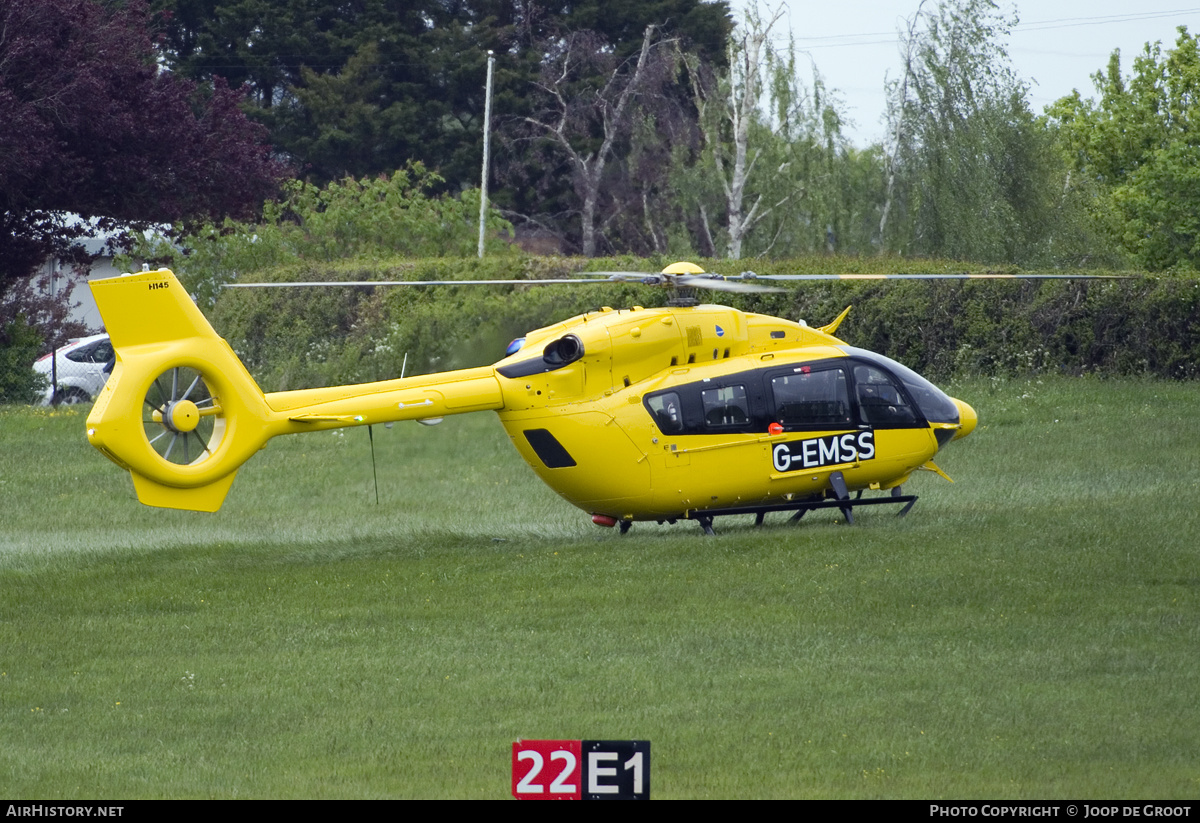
(181, 416)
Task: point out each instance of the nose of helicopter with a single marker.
(966, 419)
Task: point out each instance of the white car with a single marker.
(81, 370)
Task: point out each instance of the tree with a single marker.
(588, 101)
(977, 175)
(361, 88)
(898, 101)
(90, 127)
(379, 218)
(19, 344)
(737, 97)
(773, 169)
(1135, 152)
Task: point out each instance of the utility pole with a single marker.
(54, 398)
(487, 135)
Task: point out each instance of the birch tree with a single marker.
(770, 174)
(588, 101)
(729, 106)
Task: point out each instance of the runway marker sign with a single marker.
(581, 770)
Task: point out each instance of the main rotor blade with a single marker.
(750, 277)
(334, 283)
(746, 282)
(712, 282)
(630, 276)
(734, 282)
(700, 281)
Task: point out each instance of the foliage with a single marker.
(978, 177)
(729, 107)
(368, 219)
(986, 328)
(45, 301)
(89, 125)
(823, 194)
(588, 103)
(358, 89)
(734, 155)
(19, 343)
(34, 318)
(293, 338)
(773, 174)
(1137, 146)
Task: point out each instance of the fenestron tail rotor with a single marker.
(180, 412)
(182, 420)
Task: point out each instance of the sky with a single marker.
(1056, 46)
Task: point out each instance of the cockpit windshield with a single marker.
(935, 404)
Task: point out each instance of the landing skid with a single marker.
(840, 499)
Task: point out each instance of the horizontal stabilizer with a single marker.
(348, 419)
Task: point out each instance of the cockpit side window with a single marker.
(880, 401)
(807, 398)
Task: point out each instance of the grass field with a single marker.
(1031, 631)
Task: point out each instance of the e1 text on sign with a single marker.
(581, 770)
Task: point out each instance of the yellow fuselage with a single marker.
(625, 466)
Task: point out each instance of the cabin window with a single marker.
(725, 407)
(880, 401)
(808, 398)
(731, 404)
(667, 412)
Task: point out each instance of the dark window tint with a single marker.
(807, 398)
(667, 412)
(932, 403)
(880, 402)
(725, 407)
(83, 354)
(100, 351)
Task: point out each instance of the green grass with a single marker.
(1030, 631)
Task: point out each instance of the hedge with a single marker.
(290, 338)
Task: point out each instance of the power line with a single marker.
(857, 39)
(1074, 22)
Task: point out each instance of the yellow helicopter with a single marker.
(690, 411)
